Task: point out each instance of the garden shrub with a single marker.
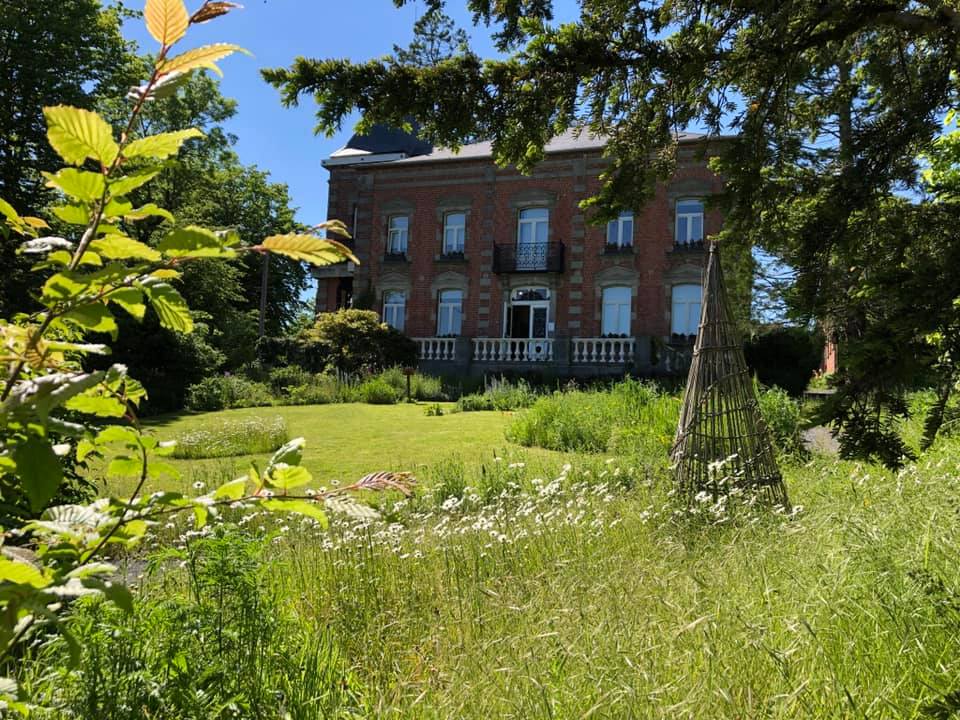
(283, 378)
(248, 436)
(783, 417)
(475, 402)
(378, 392)
(785, 356)
(631, 417)
(357, 341)
(221, 392)
(499, 394)
(422, 387)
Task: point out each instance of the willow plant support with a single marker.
(722, 442)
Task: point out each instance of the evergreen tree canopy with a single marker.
(830, 103)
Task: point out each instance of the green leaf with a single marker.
(308, 248)
(115, 592)
(160, 146)
(303, 507)
(118, 433)
(290, 453)
(129, 183)
(125, 466)
(285, 477)
(200, 513)
(63, 286)
(149, 210)
(96, 404)
(21, 573)
(131, 300)
(121, 247)
(233, 490)
(94, 317)
(201, 57)
(169, 306)
(39, 471)
(193, 241)
(167, 20)
(78, 184)
(6, 209)
(72, 214)
(78, 134)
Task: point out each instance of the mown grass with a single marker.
(346, 441)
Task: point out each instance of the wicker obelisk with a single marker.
(722, 441)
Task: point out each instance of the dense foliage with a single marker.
(55, 51)
(784, 356)
(52, 405)
(357, 340)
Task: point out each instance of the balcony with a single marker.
(688, 245)
(529, 257)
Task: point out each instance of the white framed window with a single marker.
(397, 232)
(616, 311)
(532, 226)
(685, 309)
(450, 313)
(454, 232)
(689, 221)
(394, 309)
(620, 231)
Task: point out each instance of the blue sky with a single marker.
(281, 140)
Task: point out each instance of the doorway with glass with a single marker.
(527, 326)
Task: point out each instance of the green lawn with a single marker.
(346, 441)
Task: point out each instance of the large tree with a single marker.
(51, 52)
(828, 106)
(207, 185)
(830, 102)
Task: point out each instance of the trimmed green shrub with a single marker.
(356, 341)
(220, 392)
(249, 436)
(378, 392)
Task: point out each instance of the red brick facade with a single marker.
(366, 195)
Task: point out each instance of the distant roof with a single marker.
(397, 147)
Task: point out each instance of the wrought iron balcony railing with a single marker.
(528, 257)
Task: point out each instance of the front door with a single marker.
(528, 320)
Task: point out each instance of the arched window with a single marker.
(620, 231)
(450, 313)
(689, 221)
(394, 309)
(454, 232)
(685, 312)
(530, 294)
(616, 311)
(397, 232)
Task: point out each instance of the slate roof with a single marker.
(389, 141)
